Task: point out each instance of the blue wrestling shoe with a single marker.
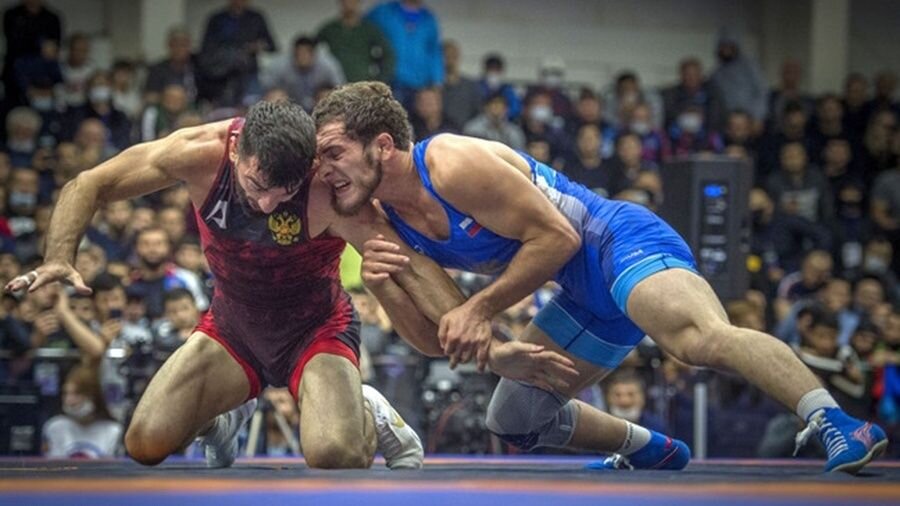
(850, 443)
(661, 453)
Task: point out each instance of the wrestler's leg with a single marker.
(198, 382)
(336, 430)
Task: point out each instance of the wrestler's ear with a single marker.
(384, 145)
(233, 152)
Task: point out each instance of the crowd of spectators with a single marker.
(825, 207)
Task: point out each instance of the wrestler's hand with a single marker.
(465, 333)
(532, 364)
(46, 274)
(380, 259)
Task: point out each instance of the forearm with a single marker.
(429, 287)
(71, 216)
(87, 341)
(537, 262)
(409, 322)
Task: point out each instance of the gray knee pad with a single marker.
(528, 417)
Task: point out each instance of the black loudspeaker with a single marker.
(706, 200)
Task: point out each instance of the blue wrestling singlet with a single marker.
(622, 244)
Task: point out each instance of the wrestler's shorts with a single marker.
(591, 321)
(273, 346)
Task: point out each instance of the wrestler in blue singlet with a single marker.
(622, 244)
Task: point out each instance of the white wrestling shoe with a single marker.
(396, 441)
(220, 444)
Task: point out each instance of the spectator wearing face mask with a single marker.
(493, 124)
(655, 146)
(539, 121)
(493, 83)
(100, 106)
(625, 95)
(690, 135)
(551, 79)
(693, 90)
(23, 125)
(84, 429)
(77, 70)
(625, 396)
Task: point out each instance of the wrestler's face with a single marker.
(256, 196)
(352, 170)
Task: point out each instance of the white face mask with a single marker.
(42, 104)
(26, 146)
(640, 127)
(690, 122)
(631, 414)
(81, 410)
(101, 94)
(541, 113)
(493, 80)
(552, 80)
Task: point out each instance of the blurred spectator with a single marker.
(90, 261)
(159, 120)
(282, 423)
(100, 106)
(835, 296)
(493, 82)
(189, 256)
(654, 142)
(850, 226)
(39, 71)
(155, 273)
(227, 62)
(492, 124)
(551, 79)
(799, 188)
(693, 90)
(626, 398)
(179, 67)
(27, 26)
(539, 121)
(376, 330)
(739, 132)
(415, 37)
(113, 232)
(359, 45)
(878, 152)
(740, 81)
(868, 295)
(856, 95)
(588, 111)
(181, 318)
(690, 134)
(814, 272)
(126, 94)
(788, 91)
(92, 139)
(626, 93)
(462, 96)
(428, 116)
(539, 148)
(828, 124)
(172, 220)
(22, 203)
(38, 312)
(583, 165)
(745, 314)
(885, 205)
(305, 73)
(626, 166)
(23, 125)
(85, 428)
(885, 86)
(77, 69)
(793, 128)
(43, 101)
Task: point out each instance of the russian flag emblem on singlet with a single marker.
(470, 226)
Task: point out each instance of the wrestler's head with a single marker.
(273, 155)
(359, 125)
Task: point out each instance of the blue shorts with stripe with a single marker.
(589, 317)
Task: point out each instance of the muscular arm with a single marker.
(139, 170)
(486, 185)
(190, 155)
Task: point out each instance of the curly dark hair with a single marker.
(282, 136)
(367, 109)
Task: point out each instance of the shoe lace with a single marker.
(832, 438)
(616, 461)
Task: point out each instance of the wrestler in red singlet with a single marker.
(278, 299)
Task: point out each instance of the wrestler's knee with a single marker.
(334, 453)
(702, 345)
(148, 443)
(528, 417)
